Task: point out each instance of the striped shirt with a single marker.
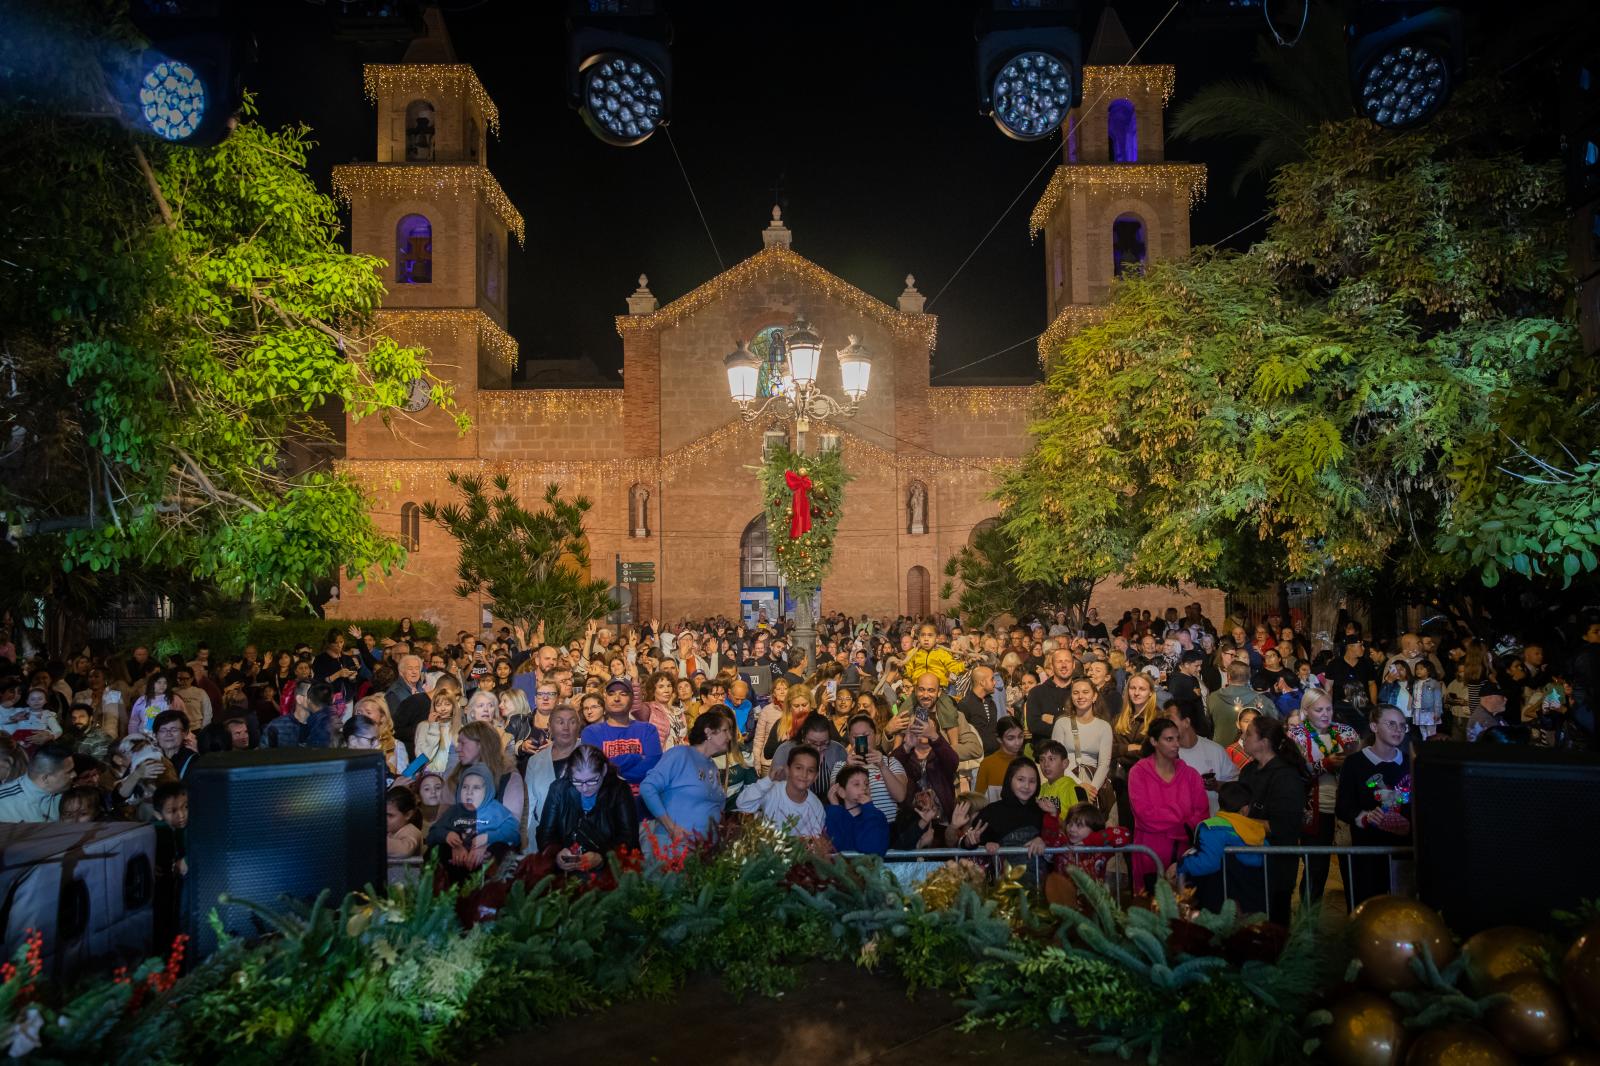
(23, 801)
(881, 798)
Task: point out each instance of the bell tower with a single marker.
(432, 211)
(1115, 203)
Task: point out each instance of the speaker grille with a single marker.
(273, 824)
(1505, 834)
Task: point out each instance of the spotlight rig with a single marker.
(1029, 62)
(619, 68)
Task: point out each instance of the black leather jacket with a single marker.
(613, 821)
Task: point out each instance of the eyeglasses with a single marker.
(545, 694)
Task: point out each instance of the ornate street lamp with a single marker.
(799, 399)
(798, 396)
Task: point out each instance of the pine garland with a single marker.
(805, 561)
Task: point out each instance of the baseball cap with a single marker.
(622, 683)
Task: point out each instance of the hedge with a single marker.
(226, 637)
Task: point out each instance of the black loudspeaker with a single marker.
(1505, 834)
(276, 823)
(87, 889)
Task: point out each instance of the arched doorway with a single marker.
(1128, 247)
(919, 593)
(758, 564)
(980, 529)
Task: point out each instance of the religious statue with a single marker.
(917, 509)
(640, 508)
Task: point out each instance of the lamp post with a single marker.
(799, 399)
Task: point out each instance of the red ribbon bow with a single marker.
(800, 511)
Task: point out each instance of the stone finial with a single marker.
(912, 301)
(777, 232)
(643, 301)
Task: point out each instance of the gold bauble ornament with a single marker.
(1389, 931)
(1495, 954)
(1458, 1045)
(1367, 1030)
(1580, 980)
(1535, 1020)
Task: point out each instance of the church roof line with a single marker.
(1118, 177)
(419, 180)
(429, 79)
(775, 259)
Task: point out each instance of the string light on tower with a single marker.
(435, 80)
(1187, 178)
(403, 181)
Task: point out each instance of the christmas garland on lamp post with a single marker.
(804, 499)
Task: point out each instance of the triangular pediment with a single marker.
(780, 261)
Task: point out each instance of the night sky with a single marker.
(863, 117)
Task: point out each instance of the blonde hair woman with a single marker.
(436, 736)
(1139, 707)
(773, 726)
(376, 710)
(1139, 711)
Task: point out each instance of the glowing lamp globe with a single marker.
(804, 347)
(172, 99)
(855, 368)
(743, 370)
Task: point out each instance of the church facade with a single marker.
(666, 458)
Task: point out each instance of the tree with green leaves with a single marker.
(533, 566)
(172, 320)
(1395, 363)
(990, 585)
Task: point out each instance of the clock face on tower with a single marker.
(419, 395)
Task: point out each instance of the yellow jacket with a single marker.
(938, 662)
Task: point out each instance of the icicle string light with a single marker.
(433, 80)
(1119, 178)
(601, 405)
(423, 322)
(407, 477)
(980, 400)
(772, 261)
(1072, 318)
(1124, 80)
(424, 181)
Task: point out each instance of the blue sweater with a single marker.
(686, 787)
(866, 831)
(634, 749)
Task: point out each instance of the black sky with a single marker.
(864, 115)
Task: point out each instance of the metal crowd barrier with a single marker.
(1304, 852)
(927, 858)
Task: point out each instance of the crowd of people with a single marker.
(1169, 732)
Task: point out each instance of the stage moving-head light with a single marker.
(1405, 57)
(619, 70)
(1029, 66)
(189, 86)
